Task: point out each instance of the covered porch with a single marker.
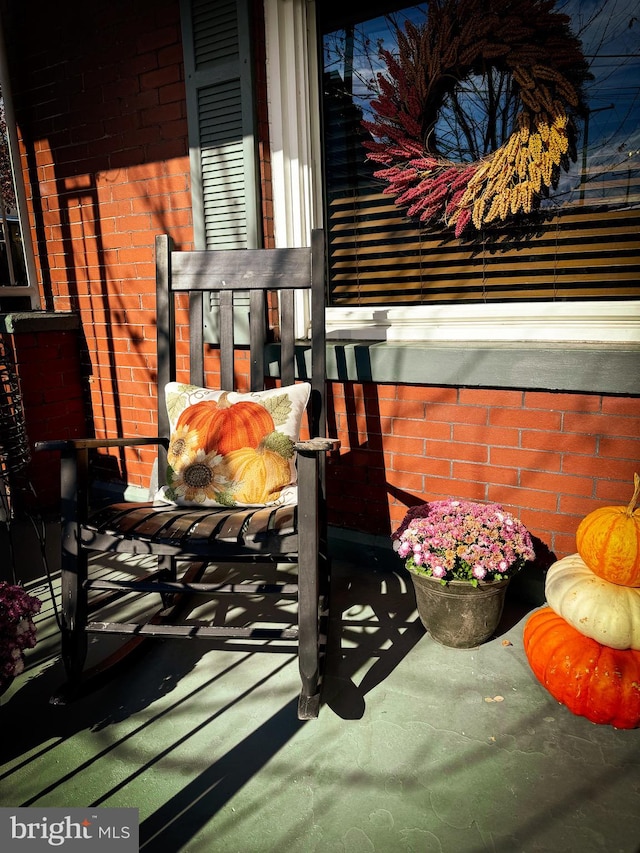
(417, 747)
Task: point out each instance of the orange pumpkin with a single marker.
(225, 426)
(592, 680)
(260, 474)
(608, 540)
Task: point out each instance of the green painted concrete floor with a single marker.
(417, 748)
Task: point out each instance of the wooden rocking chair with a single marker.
(191, 541)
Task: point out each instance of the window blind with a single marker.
(588, 250)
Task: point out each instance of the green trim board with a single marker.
(582, 368)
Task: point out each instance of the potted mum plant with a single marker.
(461, 556)
(17, 630)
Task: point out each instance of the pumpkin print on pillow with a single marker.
(231, 449)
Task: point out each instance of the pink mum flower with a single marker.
(462, 540)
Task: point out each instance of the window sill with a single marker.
(554, 322)
(589, 347)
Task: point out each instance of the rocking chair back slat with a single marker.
(257, 337)
(227, 340)
(196, 338)
(287, 337)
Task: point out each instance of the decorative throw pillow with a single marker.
(231, 449)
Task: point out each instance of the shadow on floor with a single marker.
(412, 750)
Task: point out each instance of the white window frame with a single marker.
(31, 290)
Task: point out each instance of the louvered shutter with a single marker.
(220, 105)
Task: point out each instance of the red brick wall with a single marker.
(53, 403)
(549, 457)
(101, 106)
(100, 102)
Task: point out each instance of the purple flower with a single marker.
(17, 630)
(462, 540)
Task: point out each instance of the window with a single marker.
(18, 282)
(586, 247)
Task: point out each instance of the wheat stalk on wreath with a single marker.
(523, 38)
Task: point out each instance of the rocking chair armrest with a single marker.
(74, 472)
(317, 445)
(94, 443)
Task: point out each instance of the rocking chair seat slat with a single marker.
(125, 516)
(169, 524)
(181, 526)
(233, 526)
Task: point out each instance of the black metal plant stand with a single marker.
(15, 455)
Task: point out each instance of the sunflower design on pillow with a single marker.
(184, 443)
(197, 477)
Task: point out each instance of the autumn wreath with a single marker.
(523, 39)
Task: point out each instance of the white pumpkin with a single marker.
(605, 611)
